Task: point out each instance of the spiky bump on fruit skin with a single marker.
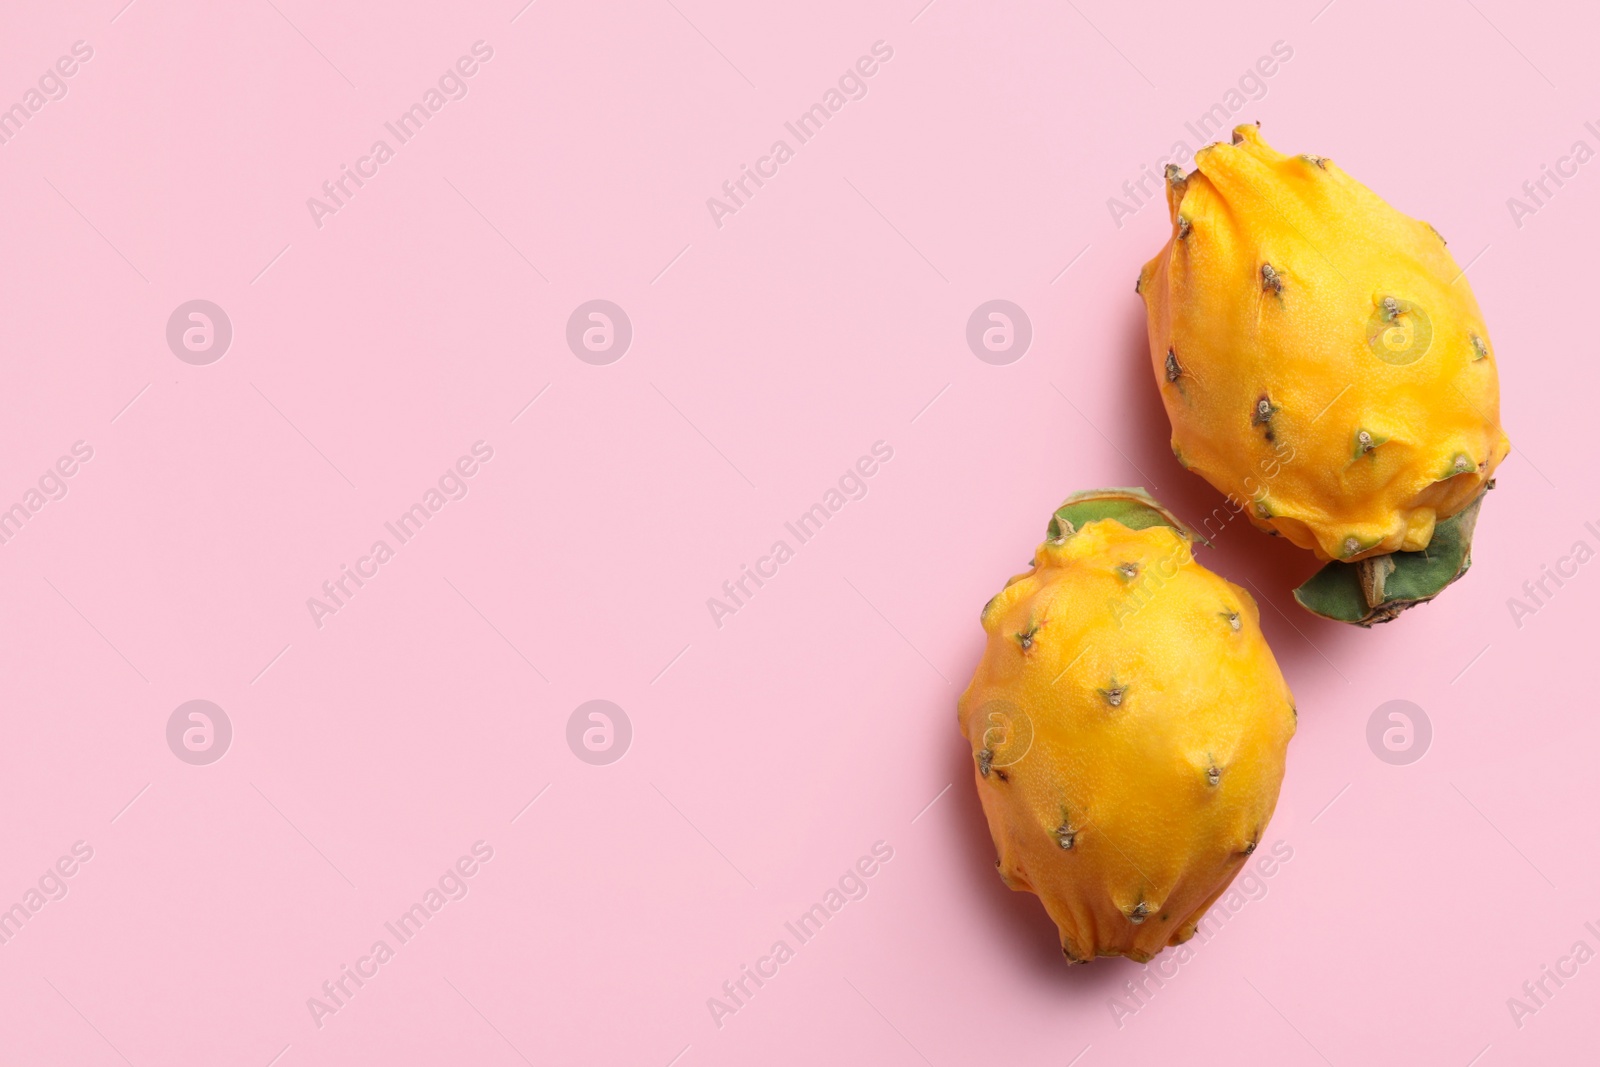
(1304, 349)
(1143, 735)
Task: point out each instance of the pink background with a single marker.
(767, 355)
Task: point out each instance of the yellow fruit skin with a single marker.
(1313, 339)
(1167, 790)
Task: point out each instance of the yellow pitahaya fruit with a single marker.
(1324, 364)
(1128, 727)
